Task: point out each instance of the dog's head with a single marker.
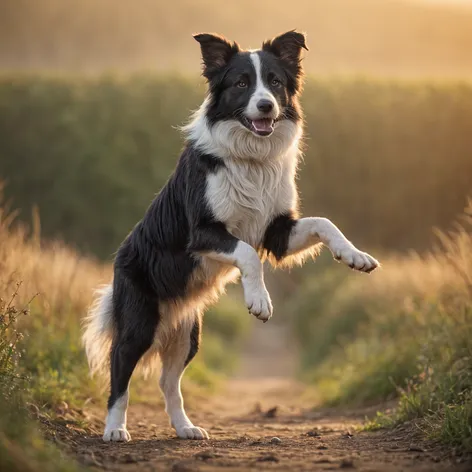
(257, 90)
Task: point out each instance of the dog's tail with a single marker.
(98, 331)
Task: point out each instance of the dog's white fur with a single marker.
(99, 331)
(115, 429)
(260, 93)
(231, 141)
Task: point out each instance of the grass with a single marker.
(404, 332)
(22, 449)
(55, 284)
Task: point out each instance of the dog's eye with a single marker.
(241, 84)
(276, 83)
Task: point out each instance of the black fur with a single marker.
(216, 52)
(287, 48)
(194, 340)
(277, 235)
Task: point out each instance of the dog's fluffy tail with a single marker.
(98, 331)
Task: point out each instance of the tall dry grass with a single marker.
(43, 292)
(57, 280)
(55, 284)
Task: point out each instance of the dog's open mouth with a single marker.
(261, 127)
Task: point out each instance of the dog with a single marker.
(230, 204)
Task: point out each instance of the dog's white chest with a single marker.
(247, 196)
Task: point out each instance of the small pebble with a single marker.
(275, 440)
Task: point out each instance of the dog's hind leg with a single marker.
(136, 319)
(176, 355)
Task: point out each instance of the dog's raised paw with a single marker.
(192, 432)
(259, 303)
(117, 435)
(356, 259)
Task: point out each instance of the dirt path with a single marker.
(261, 420)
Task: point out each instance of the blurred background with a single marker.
(91, 93)
(401, 38)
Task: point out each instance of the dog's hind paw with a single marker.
(117, 435)
(192, 432)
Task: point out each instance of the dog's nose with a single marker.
(265, 105)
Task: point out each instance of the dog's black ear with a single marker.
(287, 46)
(216, 52)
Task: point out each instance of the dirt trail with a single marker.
(261, 420)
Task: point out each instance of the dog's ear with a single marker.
(216, 52)
(287, 46)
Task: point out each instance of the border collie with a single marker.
(230, 204)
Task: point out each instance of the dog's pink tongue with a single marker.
(262, 125)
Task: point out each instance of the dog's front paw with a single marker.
(258, 302)
(356, 259)
(191, 432)
(116, 435)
